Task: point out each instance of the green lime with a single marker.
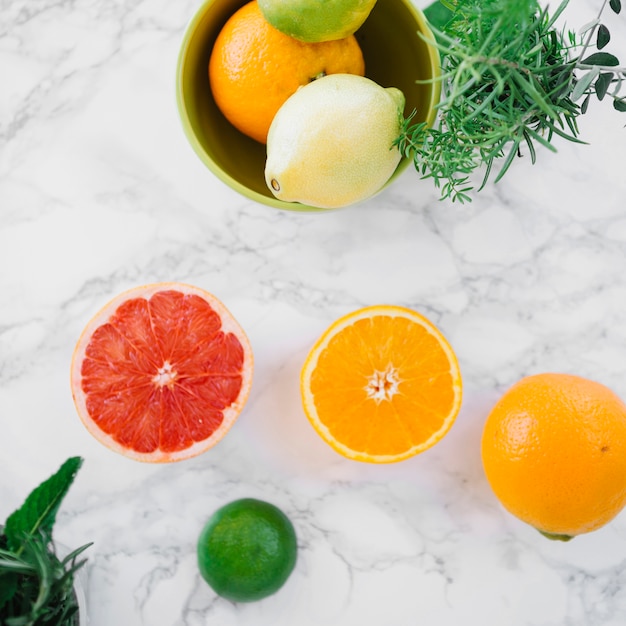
(247, 550)
(316, 20)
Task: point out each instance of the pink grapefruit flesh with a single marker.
(161, 373)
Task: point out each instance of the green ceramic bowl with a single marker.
(395, 56)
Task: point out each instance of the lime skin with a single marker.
(313, 21)
(247, 550)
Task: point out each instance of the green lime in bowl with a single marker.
(395, 56)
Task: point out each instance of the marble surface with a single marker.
(100, 191)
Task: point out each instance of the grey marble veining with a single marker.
(99, 192)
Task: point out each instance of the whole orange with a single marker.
(554, 453)
(254, 68)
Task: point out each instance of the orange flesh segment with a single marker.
(159, 373)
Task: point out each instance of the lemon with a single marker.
(247, 550)
(331, 142)
(316, 20)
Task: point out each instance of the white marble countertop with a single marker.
(100, 191)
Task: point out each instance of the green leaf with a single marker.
(602, 84)
(620, 105)
(18, 621)
(71, 557)
(581, 86)
(8, 587)
(585, 105)
(600, 58)
(603, 37)
(616, 5)
(11, 563)
(38, 513)
(438, 15)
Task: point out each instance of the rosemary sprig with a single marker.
(37, 586)
(510, 81)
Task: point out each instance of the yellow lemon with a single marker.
(331, 143)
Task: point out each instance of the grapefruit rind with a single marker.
(230, 413)
(310, 364)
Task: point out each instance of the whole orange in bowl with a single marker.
(254, 68)
(161, 372)
(554, 453)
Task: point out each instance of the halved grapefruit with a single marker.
(161, 372)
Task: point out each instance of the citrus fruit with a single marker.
(554, 453)
(161, 372)
(331, 143)
(247, 550)
(381, 384)
(254, 68)
(312, 20)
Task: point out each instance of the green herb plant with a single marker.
(36, 586)
(510, 81)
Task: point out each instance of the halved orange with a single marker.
(382, 384)
(161, 373)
